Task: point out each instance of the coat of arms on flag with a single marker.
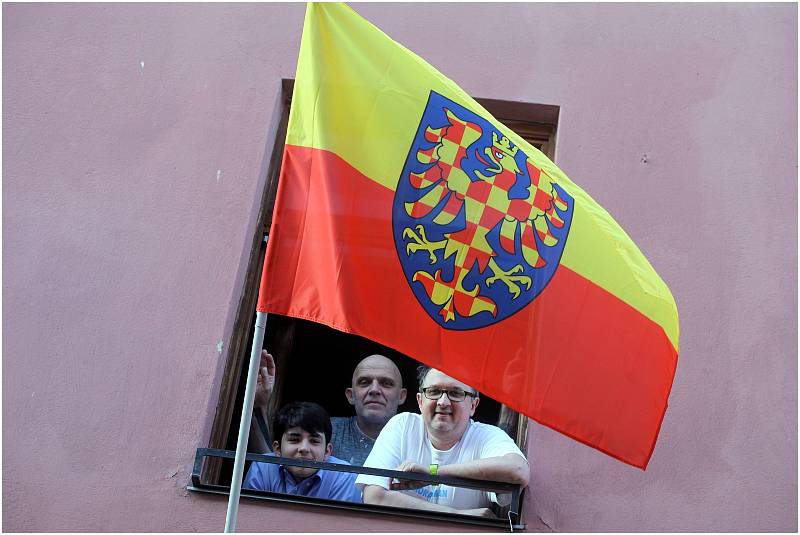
(479, 229)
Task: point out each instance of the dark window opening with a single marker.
(335, 356)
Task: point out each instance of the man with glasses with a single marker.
(442, 440)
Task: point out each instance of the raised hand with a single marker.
(265, 383)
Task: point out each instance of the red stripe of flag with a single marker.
(575, 350)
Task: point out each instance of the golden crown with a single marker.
(504, 144)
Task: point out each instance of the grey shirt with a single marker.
(349, 443)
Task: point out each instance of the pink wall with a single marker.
(133, 143)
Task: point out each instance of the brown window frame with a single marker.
(536, 123)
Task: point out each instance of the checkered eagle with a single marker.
(493, 213)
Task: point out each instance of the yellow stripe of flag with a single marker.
(372, 92)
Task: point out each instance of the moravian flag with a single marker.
(407, 214)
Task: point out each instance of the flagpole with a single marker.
(244, 423)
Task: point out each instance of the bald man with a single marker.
(376, 391)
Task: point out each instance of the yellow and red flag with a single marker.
(407, 214)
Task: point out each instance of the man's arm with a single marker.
(378, 495)
(260, 441)
(508, 468)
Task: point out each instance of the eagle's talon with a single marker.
(421, 243)
(508, 278)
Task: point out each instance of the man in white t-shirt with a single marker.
(442, 440)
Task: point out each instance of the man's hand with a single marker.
(405, 484)
(266, 379)
(480, 511)
(378, 495)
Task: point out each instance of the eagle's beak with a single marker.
(498, 167)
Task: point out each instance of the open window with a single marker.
(295, 342)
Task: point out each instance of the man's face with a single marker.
(444, 418)
(376, 391)
(298, 443)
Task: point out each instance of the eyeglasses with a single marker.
(453, 394)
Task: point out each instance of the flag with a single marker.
(408, 215)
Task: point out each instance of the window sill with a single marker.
(498, 523)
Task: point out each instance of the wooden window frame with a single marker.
(536, 123)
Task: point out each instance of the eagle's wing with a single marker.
(442, 186)
(531, 218)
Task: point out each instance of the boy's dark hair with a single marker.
(308, 416)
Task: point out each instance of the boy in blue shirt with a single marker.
(305, 432)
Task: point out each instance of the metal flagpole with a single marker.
(244, 423)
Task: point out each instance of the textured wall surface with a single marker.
(134, 141)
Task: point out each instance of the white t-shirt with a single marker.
(405, 438)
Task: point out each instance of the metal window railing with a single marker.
(512, 521)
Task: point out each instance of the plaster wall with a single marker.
(134, 146)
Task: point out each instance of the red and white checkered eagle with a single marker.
(484, 194)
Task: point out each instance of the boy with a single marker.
(305, 432)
